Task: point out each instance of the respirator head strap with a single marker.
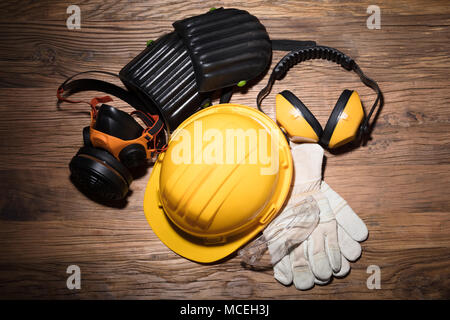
(70, 86)
(281, 45)
(154, 127)
(153, 122)
(95, 101)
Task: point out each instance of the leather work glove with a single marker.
(298, 218)
(328, 249)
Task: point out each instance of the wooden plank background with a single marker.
(399, 184)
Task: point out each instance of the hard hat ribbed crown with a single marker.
(220, 189)
(224, 177)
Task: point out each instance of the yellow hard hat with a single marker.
(225, 175)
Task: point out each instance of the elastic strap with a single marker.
(291, 45)
(153, 123)
(154, 128)
(70, 86)
(95, 101)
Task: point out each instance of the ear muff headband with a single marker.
(330, 54)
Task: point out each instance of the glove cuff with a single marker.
(307, 159)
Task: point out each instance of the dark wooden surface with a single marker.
(399, 184)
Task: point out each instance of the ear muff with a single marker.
(345, 120)
(296, 119)
(98, 173)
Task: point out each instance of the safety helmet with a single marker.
(224, 176)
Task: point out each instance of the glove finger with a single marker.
(282, 271)
(345, 268)
(350, 248)
(345, 216)
(317, 257)
(352, 224)
(320, 282)
(303, 277)
(332, 246)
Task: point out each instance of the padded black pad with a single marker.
(226, 46)
(309, 117)
(178, 71)
(163, 78)
(334, 117)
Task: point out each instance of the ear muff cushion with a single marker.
(309, 117)
(99, 174)
(334, 117)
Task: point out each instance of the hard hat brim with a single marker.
(175, 239)
(194, 249)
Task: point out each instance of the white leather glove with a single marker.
(307, 159)
(328, 249)
(299, 216)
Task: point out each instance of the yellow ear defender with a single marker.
(296, 119)
(347, 121)
(301, 125)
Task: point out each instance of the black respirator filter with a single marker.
(176, 74)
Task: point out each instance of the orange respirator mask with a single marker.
(114, 143)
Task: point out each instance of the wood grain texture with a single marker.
(398, 184)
